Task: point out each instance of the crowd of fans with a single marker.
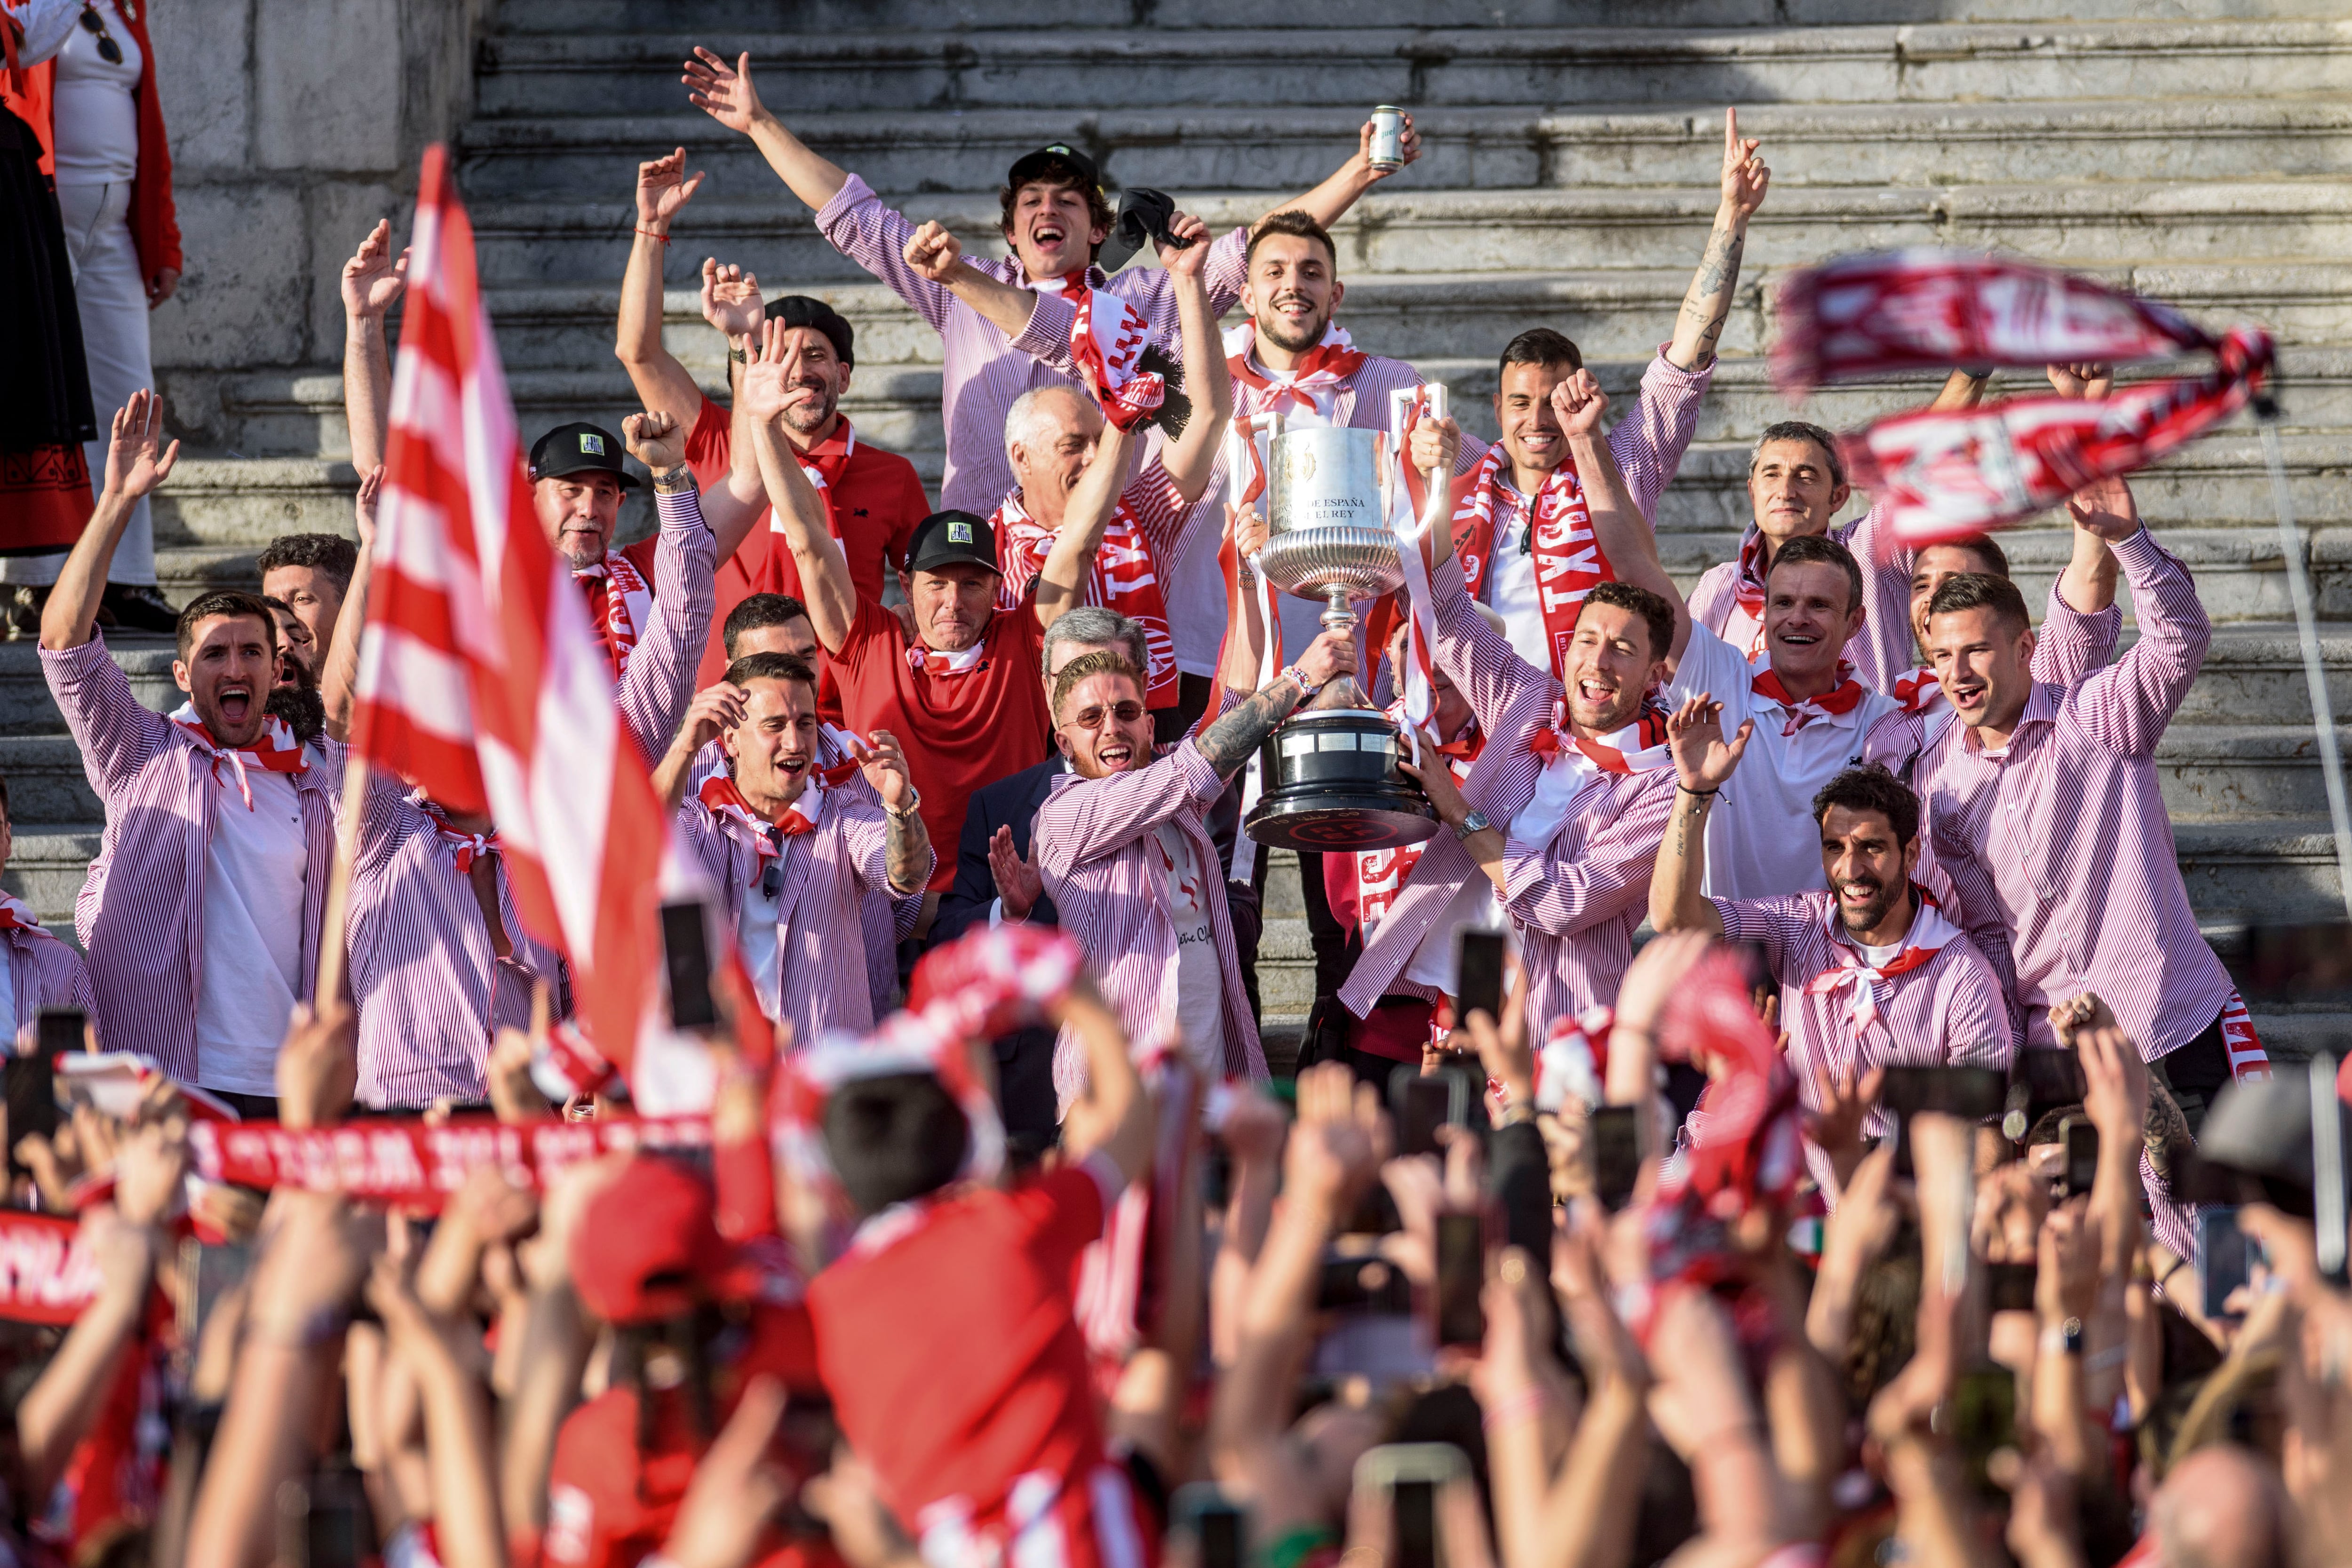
(1918, 1192)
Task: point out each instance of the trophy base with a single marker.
(1324, 818)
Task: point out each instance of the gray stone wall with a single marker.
(295, 125)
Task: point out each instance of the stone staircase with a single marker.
(2199, 151)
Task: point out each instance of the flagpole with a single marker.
(2307, 623)
(333, 984)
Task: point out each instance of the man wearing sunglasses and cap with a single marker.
(873, 496)
(1055, 221)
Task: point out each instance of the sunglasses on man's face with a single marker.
(1092, 718)
(107, 49)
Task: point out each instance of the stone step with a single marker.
(1477, 231)
(48, 865)
(1360, 65)
(1284, 148)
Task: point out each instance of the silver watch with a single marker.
(1475, 822)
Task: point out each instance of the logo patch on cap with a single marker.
(959, 533)
(591, 444)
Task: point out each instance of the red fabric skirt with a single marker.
(45, 499)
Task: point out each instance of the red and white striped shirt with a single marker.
(1099, 856)
(142, 908)
(2060, 848)
(43, 971)
(654, 691)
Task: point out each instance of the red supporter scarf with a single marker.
(1748, 588)
(1107, 343)
(1839, 700)
(725, 801)
(620, 602)
(1569, 562)
(47, 1272)
(1948, 475)
(277, 751)
(1574, 1061)
(1928, 935)
(1380, 873)
(1636, 749)
(417, 1166)
(1919, 691)
(932, 661)
(1309, 387)
(465, 848)
(15, 914)
(2248, 1059)
(1124, 577)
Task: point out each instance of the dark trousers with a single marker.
(1325, 934)
(2195, 1074)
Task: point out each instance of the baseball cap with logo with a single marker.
(1057, 162)
(949, 537)
(579, 448)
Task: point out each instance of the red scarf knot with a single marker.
(616, 591)
(1836, 702)
(1309, 387)
(274, 750)
(1930, 932)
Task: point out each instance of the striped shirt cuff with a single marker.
(681, 510)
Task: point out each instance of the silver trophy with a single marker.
(1331, 773)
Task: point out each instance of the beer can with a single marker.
(1388, 136)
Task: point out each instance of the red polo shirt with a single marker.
(873, 504)
(960, 730)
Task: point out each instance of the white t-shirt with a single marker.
(1880, 957)
(1200, 987)
(252, 965)
(1510, 584)
(755, 924)
(1762, 839)
(95, 117)
(1474, 907)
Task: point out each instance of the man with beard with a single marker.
(1559, 815)
(793, 853)
(1123, 847)
(438, 958)
(873, 498)
(298, 655)
(309, 574)
(1054, 219)
(201, 913)
(1871, 973)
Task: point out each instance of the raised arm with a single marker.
(1618, 526)
(1703, 761)
(1231, 740)
(937, 256)
(1328, 203)
(2127, 706)
(825, 587)
(1062, 580)
(373, 280)
(1707, 305)
(727, 94)
(136, 462)
(663, 384)
(660, 675)
(338, 677)
(1114, 1097)
(1191, 457)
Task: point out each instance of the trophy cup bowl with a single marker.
(1330, 771)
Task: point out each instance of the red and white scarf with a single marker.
(1308, 387)
(1639, 748)
(1380, 873)
(1124, 577)
(1748, 591)
(1870, 985)
(2247, 1057)
(15, 914)
(824, 462)
(621, 602)
(937, 662)
(1410, 500)
(1569, 562)
(465, 848)
(1574, 1061)
(277, 751)
(725, 801)
(1107, 343)
(1836, 702)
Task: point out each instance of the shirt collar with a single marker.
(2041, 708)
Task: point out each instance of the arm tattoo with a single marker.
(1228, 743)
(1719, 272)
(904, 849)
(2165, 1135)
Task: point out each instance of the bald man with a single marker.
(2222, 1507)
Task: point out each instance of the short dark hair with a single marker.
(328, 552)
(1542, 346)
(1061, 176)
(1297, 224)
(1872, 788)
(757, 612)
(1980, 545)
(1801, 430)
(224, 601)
(754, 667)
(1088, 664)
(1981, 590)
(1819, 550)
(1654, 610)
(4, 814)
(893, 1137)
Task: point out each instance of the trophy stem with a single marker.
(1338, 615)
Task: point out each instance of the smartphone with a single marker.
(1424, 1103)
(32, 1090)
(1616, 1134)
(1972, 1094)
(1984, 1420)
(686, 951)
(1461, 1275)
(2082, 1141)
(2053, 1076)
(1478, 976)
(2226, 1261)
(60, 1030)
(2012, 1286)
(1214, 1526)
(1362, 1282)
(1409, 1476)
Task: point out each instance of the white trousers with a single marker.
(112, 298)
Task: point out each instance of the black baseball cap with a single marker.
(800, 310)
(1051, 161)
(579, 448)
(948, 538)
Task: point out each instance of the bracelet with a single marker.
(1306, 687)
(911, 809)
(657, 238)
(676, 482)
(736, 354)
(1698, 793)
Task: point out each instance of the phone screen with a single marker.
(60, 1030)
(1362, 1282)
(1984, 1419)
(1461, 1274)
(32, 1102)
(2082, 1154)
(2225, 1260)
(686, 951)
(1478, 974)
(1616, 1134)
(1972, 1094)
(1423, 1104)
(1220, 1532)
(1414, 1514)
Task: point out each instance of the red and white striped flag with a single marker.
(480, 678)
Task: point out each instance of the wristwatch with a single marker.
(1476, 822)
(912, 807)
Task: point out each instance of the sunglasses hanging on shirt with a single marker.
(107, 49)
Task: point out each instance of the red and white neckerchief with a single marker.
(15, 914)
(931, 660)
(724, 801)
(465, 848)
(277, 751)
(1870, 983)
(621, 602)
(1380, 873)
(1064, 282)
(1107, 337)
(1837, 702)
(1636, 749)
(1919, 691)
(823, 463)
(1307, 388)
(1748, 588)
(1124, 577)
(1574, 1061)
(2247, 1057)
(1569, 562)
